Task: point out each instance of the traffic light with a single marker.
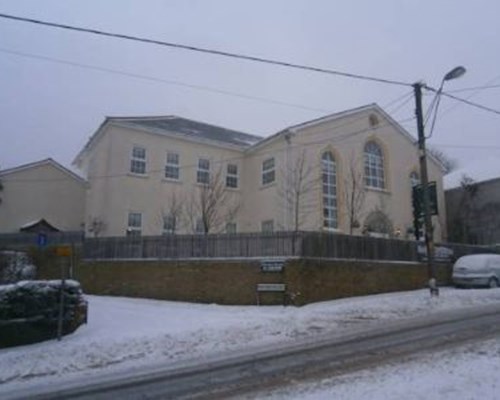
(418, 199)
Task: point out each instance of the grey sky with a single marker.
(49, 109)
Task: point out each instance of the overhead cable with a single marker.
(205, 50)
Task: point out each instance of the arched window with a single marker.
(414, 179)
(374, 166)
(329, 179)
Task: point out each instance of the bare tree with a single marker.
(465, 212)
(449, 164)
(96, 226)
(213, 203)
(354, 193)
(171, 215)
(295, 190)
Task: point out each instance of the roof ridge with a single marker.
(48, 160)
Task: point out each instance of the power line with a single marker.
(160, 80)
(474, 93)
(476, 88)
(205, 50)
(407, 96)
(470, 103)
(462, 100)
(467, 146)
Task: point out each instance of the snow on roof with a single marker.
(480, 170)
(197, 129)
(31, 223)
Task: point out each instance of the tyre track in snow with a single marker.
(244, 373)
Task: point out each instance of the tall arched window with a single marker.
(374, 166)
(329, 179)
(414, 179)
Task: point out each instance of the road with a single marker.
(242, 373)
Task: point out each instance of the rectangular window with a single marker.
(203, 173)
(231, 227)
(134, 224)
(172, 166)
(267, 226)
(268, 172)
(232, 176)
(138, 160)
(169, 225)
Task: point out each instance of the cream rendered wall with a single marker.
(41, 191)
(262, 202)
(122, 192)
(346, 138)
(114, 191)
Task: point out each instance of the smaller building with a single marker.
(473, 203)
(41, 194)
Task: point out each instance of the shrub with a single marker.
(15, 266)
(29, 310)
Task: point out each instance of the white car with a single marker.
(477, 270)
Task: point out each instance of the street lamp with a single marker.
(455, 73)
(429, 241)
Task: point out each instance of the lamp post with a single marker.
(429, 241)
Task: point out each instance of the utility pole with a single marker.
(429, 240)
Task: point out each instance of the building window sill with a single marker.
(267, 185)
(167, 180)
(143, 176)
(377, 190)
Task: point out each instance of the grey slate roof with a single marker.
(195, 129)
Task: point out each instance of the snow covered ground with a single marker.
(125, 333)
(466, 373)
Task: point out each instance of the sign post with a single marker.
(63, 252)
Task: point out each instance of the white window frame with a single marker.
(138, 161)
(232, 177)
(203, 171)
(329, 190)
(172, 166)
(134, 224)
(169, 224)
(374, 166)
(268, 171)
(267, 226)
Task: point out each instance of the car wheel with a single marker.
(493, 283)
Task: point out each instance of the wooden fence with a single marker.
(244, 245)
(25, 239)
(277, 244)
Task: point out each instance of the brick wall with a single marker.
(319, 280)
(235, 281)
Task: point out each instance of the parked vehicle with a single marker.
(477, 270)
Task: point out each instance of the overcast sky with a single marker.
(49, 109)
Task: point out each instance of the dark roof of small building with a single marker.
(40, 225)
(195, 129)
